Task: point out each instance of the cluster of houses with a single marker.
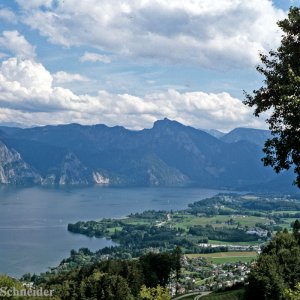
(201, 275)
(234, 247)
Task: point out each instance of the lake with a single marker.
(33, 221)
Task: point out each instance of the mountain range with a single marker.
(168, 154)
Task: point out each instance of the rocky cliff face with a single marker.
(13, 170)
(69, 172)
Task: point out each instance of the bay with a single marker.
(33, 221)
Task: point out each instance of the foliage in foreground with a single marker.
(293, 294)
(117, 279)
(8, 283)
(281, 97)
(158, 293)
(277, 270)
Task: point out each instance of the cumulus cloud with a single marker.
(95, 57)
(224, 33)
(16, 43)
(8, 16)
(64, 77)
(25, 85)
(29, 96)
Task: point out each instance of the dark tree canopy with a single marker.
(277, 268)
(281, 96)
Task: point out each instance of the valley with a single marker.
(220, 238)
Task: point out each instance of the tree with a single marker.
(104, 287)
(157, 268)
(296, 230)
(8, 283)
(276, 270)
(177, 254)
(293, 294)
(156, 293)
(281, 97)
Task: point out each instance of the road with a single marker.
(197, 296)
(202, 295)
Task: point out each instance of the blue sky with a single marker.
(131, 62)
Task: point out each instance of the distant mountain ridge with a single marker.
(168, 154)
(255, 136)
(216, 133)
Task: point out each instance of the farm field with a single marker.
(226, 257)
(185, 220)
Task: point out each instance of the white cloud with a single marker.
(95, 57)
(28, 95)
(64, 77)
(2, 55)
(8, 16)
(27, 74)
(223, 33)
(14, 42)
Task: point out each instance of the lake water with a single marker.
(33, 221)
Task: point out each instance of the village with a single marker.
(201, 275)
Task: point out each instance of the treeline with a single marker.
(84, 256)
(224, 234)
(240, 205)
(150, 215)
(114, 279)
(94, 228)
(144, 236)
